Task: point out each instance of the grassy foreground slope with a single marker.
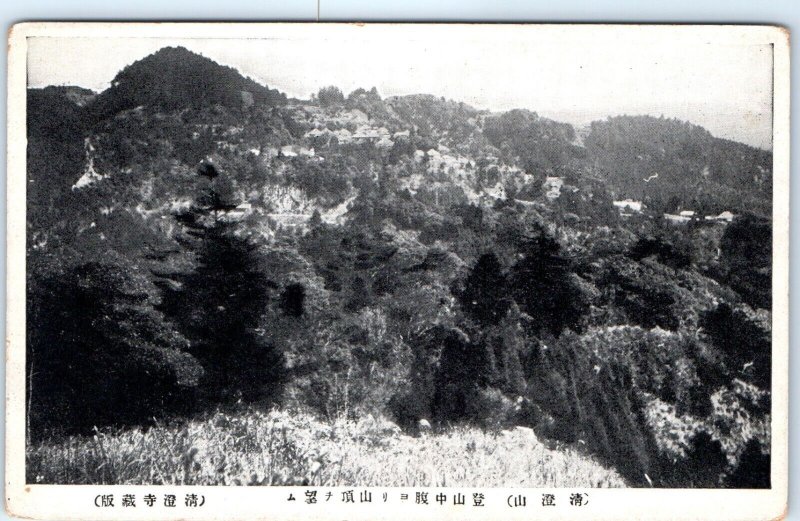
(278, 448)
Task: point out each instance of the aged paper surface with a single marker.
(389, 271)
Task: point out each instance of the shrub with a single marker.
(492, 409)
(664, 250)
(753, 469)
(704, 464)
(344, 365)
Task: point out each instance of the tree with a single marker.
(744, 339)
(485, 294)
(460, 373)
(506, 350)
(360, 294)
(315, 222)
(331, 95)
(292, 299)
(219, 304)
(324, 181)
(746, 258)
(544, 286)
(667, 252)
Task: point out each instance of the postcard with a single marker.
(397, 271)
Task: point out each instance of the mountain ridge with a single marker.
(175, 79)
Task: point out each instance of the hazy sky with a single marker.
(726, 88)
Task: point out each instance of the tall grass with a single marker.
(279, 448)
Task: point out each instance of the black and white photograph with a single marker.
(398, 255)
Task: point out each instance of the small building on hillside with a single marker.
(725, 216)
(367, 134)
(628, 207)
(343, 135)
(294, 151)
(237, 214)
(677, 219)
(318, 132)
(552, 187)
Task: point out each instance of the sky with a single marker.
(725, 87)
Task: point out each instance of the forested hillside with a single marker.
(196, 240)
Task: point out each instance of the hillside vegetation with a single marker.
(197, 242)
(277, 448)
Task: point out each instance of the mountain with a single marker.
(680, 165)
(410, 256)
(175, 78)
